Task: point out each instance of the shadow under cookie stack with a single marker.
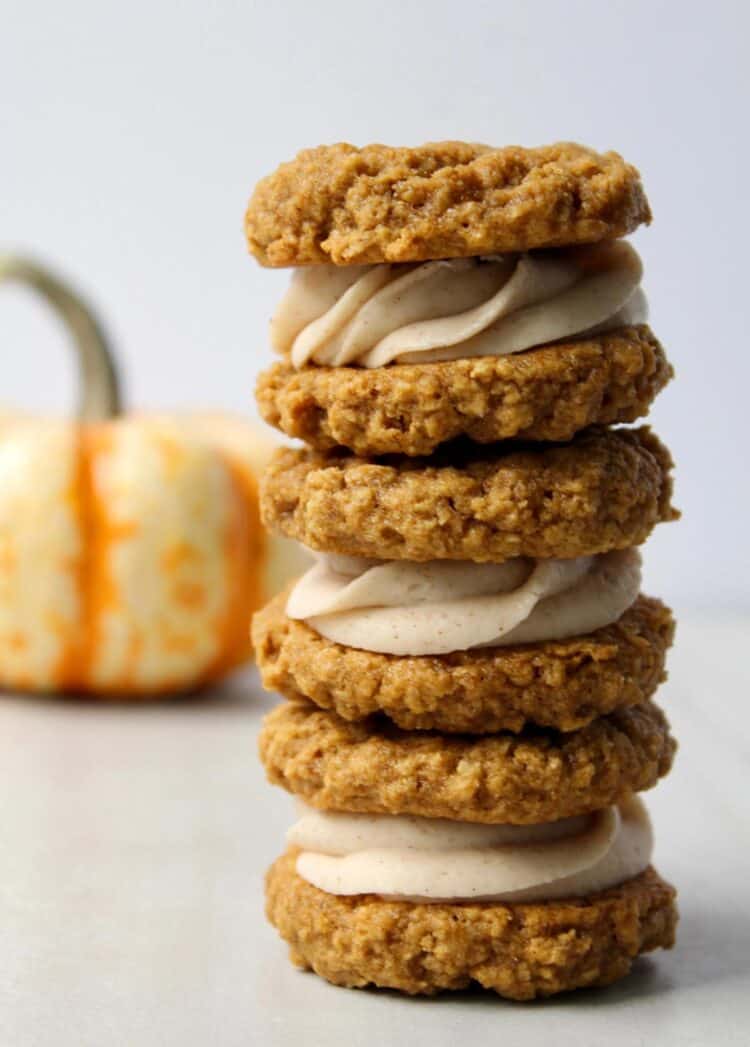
(469, 664)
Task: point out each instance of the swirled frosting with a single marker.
(434, 860)
(375, 315)
(404, 608)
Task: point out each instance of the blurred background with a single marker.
(132, 135)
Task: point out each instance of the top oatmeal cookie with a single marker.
(351, 206)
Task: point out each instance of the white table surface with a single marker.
(133, 847)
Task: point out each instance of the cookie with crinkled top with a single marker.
(604, 490)
(350, 206)
(539, 775)
(563, 684)
(520, 951)
(548, 393)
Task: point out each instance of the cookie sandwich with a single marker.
(470, 664)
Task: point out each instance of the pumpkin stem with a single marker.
(99, 396)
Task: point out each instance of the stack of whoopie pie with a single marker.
(469, 664)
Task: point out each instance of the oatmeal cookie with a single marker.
(519, 950)
(547, 393)
(563, 684)
(604, 490)
(521, 779)
(350, 206)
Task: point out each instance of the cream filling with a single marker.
(404, 608)
(433, 860)
(375, 315)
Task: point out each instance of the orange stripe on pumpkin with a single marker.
(70, 672)
(96, 586)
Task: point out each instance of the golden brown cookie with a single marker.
(563, 684)
(537, 776)
(518, 950)
(345, 205)
(604, 490)
(549, 393)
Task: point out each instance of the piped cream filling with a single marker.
(435, 860)
(404, 608)
(376, 315)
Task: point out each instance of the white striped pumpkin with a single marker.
(131, 551)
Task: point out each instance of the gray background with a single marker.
(132, 134)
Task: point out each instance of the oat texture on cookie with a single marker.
(468, 667)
